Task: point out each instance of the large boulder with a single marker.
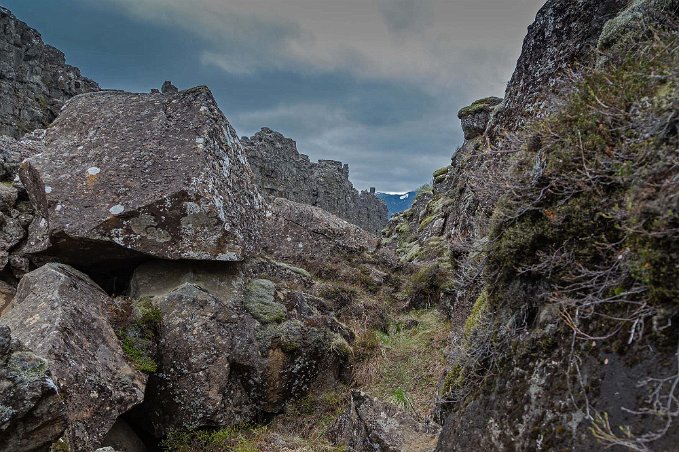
(59, 313)
(372, 425)
(32, 413)
(34, 78)
(130, 175)
(232, 349)
(208, 363)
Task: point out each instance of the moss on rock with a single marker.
(479, 106)
(259, 302)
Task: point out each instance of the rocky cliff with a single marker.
(149, 292)
(282, 172)
(34, 78)
(546, 254)
(153, 298)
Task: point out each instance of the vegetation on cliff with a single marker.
(582, 251)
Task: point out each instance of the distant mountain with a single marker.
(398, 202)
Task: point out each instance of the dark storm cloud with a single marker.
(374, 83)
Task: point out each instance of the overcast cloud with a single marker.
(374, 83)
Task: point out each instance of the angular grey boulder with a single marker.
(209, 364)
(130, 175)
(59, 313)
(32, 413)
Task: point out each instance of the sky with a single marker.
(374, 83)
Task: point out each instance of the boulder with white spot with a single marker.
(132, 175)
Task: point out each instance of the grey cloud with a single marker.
(407, 15)
(374, 83)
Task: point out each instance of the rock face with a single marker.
(282, 172)
(124, 175)
(59, 313)
(34, 78)
(564, 33)
(32, 413)
(372, 425)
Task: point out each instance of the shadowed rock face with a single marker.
(58, 312)
(32, 413)
(282, 172)
(34, 78)
(123, 175)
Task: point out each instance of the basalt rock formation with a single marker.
(518, 233)
(203, 297)
(152, 196)
(282, 172)
(34, 78)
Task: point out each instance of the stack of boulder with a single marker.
(151, 293)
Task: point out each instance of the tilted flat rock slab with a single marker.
(157, 174)
(59, 313)
(298, 232)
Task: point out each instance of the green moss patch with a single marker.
(479, 106)
(259, 302)
(139, 338)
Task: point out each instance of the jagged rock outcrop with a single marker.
(475, 117)
(282, 172)
(32, 412)
(529, 246)
(372, 425)
(124, 175)
(59, 313)
(563, 35)
(34, 78)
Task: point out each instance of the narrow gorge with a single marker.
(167, 285)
